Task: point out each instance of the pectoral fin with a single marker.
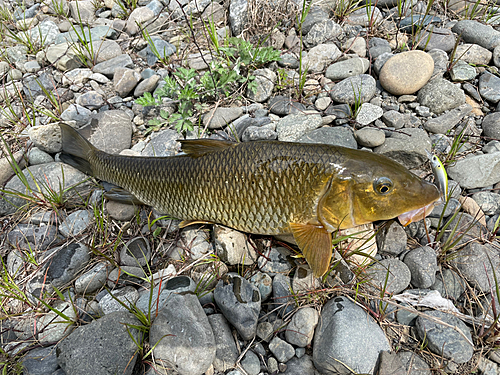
(316, 245)
(186, 223)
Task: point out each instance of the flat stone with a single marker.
(413, 363)
(220, 117)
(462, 71)
(394, 119)
(407, 72)
(164, 49)
(292, 127)
(391, 239)
(356, 45)
(436, 37)
(108, 342)
(360, 88)
(321, 56)
(476, 171)
(389, 275)
(347, 339)
(265, 80)
(300, 330)
(226, 353)
(488, 201)
(282, 350)
(238, 16)
(422, 263)
(447, 121)
(368, 113)
(444, 340)
(240, 302)
(408, 148)
(440, 58)
(178, 334)
(40, 361)
(46, 137)
(281, 295)
(75, 223)
(108, 67)
(475, 262)
(233, 247)
(315, 15)
(477, 33)
(322, 32)
(282, 106)
(489, 87)
(441, 95)
(336, 136)
(91, 280)
(365, 15)
(491, 125)
(45, 175)
(347, 68)
(370, 137)
(473, 54)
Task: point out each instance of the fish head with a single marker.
(381, 189)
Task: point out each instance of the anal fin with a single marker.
(186, 223)
(316, 245)
(121, 195)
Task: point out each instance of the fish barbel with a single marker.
(263, 187)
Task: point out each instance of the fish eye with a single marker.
(383, 185)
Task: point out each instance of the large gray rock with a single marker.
(105, 347)
(40, 361)
(239, 301)
(300, 330)
(347, 335)
(238, 16)
(476, 171)
(354, 89)
(408, 147)
(337, 136)
(113, 133)
(441, 95)
(442, 124)
(325, 31)
(477, 33)
(33, 237)
(491, 125)
(292, 127)
(389, 275)
(46, 176)
(422, 263)
(226, 353)
(391, 239)
(347, 68)
(445, 340)
(489, 87)
(182, 336)
(477, 263)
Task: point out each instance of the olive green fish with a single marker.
(264, 187)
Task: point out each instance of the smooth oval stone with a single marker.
(407, 72)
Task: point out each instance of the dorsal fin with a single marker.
(200, 147)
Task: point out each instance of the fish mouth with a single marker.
(417, 214)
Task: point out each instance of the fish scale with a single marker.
(223, 187)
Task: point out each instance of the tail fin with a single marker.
(76, 149)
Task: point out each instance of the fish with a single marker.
(440, 175)
(262, 187)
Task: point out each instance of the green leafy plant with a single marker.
(228, 72)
